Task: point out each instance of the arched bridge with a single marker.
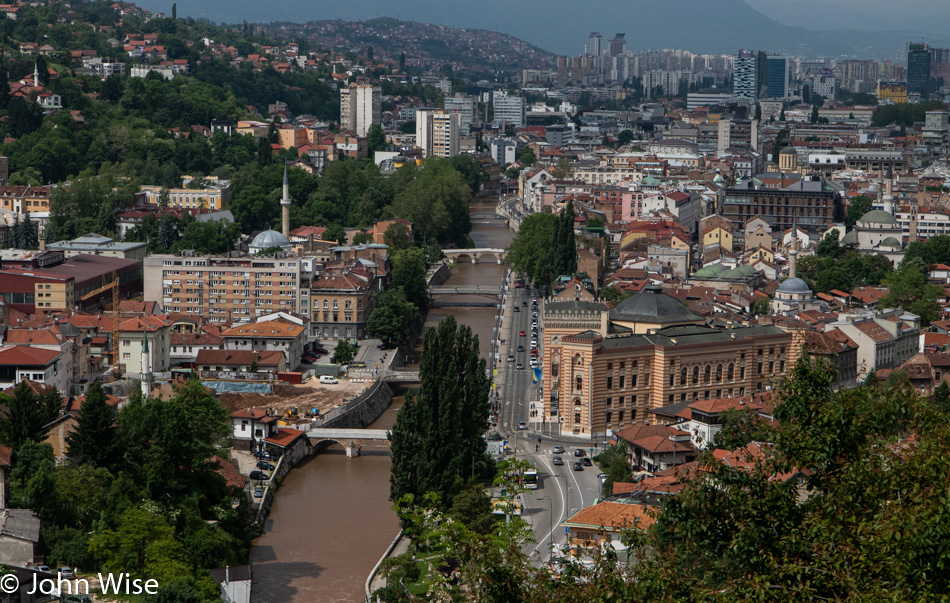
(479, 216)
(352, 440)
(440, 293)
(475, 256)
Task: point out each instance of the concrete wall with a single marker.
(364, 409)
(441, 274)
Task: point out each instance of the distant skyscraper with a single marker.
(509, 110)
(618, 45)
(777, 76)
(595, 45)
(361, 106)
(918, 69)
(745, 74)
(465, 106)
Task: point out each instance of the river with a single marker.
(331, 521)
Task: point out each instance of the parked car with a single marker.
(66, 573)
(322, 351)
(258, 492)
(265, 466)
(328, 379)
(44, 568)
(579, 452)
(559, 450)
(258, 475)
(558, 461)
(578, 467)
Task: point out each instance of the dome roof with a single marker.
(268, 239)
(877, 216)
(789, 151)
(794, 285)
(891, 242)
(653, 306)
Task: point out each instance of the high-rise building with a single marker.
(509, 110)
(464, 105)
(745, 73)
(361, 106)
(940, 65)
(777, 76)
(918, 69)
(618, 45)
(437, 133)
(595, 44)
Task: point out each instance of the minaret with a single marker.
(36, 75)
(888, 200)
(285, 207)
(146, 376)
(793, 253)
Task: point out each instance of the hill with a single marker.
(560, 26)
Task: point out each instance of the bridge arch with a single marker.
(465, 258)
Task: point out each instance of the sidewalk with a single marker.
(379, 580)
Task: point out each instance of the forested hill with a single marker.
(427, 44)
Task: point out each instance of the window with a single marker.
(732, 370)
(577, 417)
(610, 366)
(578, 382)
(621, 381)
(607, 414)
(707, 374)
(126, 356)
(620, 416)
(683, 377)
(695, 375)
(554, 369)
(760, 368)
(610, 383)
(672, 378)
(719, 372)
(609, 402)
(620, 401)
(741, 372)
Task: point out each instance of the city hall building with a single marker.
(604, 369)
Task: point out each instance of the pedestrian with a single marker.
(537, 448)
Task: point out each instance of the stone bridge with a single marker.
(478, 216)
(439, 296)
(475, 256)
(352, 440)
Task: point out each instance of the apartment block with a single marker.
(210, 193)
(227, 289)
(437, 133)
(509, 110)
(361, 106)
(465, 106)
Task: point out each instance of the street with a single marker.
(561, 489)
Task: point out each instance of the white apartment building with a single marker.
(361, 106)
(211, 193)
(464, 105)
(437, 133)
(509, 110)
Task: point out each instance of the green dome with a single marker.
(878, 216)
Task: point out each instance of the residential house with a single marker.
(656, 447)
(250, 427)
(185, 346)
(604, 524)
(19, 535)
(22, 362)
(144, 335)
(212, 362)
(280, 332)
(342, 302)
(884, 341)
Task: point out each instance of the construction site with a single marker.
(297, 403)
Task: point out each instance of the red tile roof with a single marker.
(229, 472)
(266, 359)
(5, 452)
(285, 437)
(24, 355)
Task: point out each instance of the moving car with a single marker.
(511, 358)
(587, 462)
(328, 379)
(579, 452)
(520, 367)
(520, 348)
(578, 467)
(517, 309)
(522, 426)
(521, 334)
(524, 304)
(559, 450)
(558, 461)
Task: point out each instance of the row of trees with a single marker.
(545, 247)
(406, 299)
(169, 234)
(139, 493)
(864, 522)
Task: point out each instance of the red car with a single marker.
(521, 333)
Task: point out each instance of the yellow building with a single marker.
(718, 236)
(896, 92)
(257, 129)
(212, 193)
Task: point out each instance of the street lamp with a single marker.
(550, 527)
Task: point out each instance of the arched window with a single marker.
(683, 377)
(707, 373)
(719, 372)
(732, 371)
(695, 375)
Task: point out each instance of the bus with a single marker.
(530, 478)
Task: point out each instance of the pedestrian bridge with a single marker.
(475, 256)
(440, 295)
(352, 440)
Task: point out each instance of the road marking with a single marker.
(564, 505)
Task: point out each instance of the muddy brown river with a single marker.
(331, 521)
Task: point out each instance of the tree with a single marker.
(174, 11)
(527, 158)
(806, 97)
(814, 114)
(565, 250)
(335, 232)
(26, 415)
(344, 352)
(616, 465)
(93, 439)
(435, 201)
(531, 252)
(392, 316)
(907, 288)
(625, 137)
(397, 236)
(362, 238)
(758, 111)
(437, 443)
(781, 115)
(409, 272)
(857, 207)
(376, 139)
(942, 396)
(829, 247)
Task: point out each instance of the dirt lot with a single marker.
(302, 397)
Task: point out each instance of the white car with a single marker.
(328, 379)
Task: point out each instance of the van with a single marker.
(328, 379)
